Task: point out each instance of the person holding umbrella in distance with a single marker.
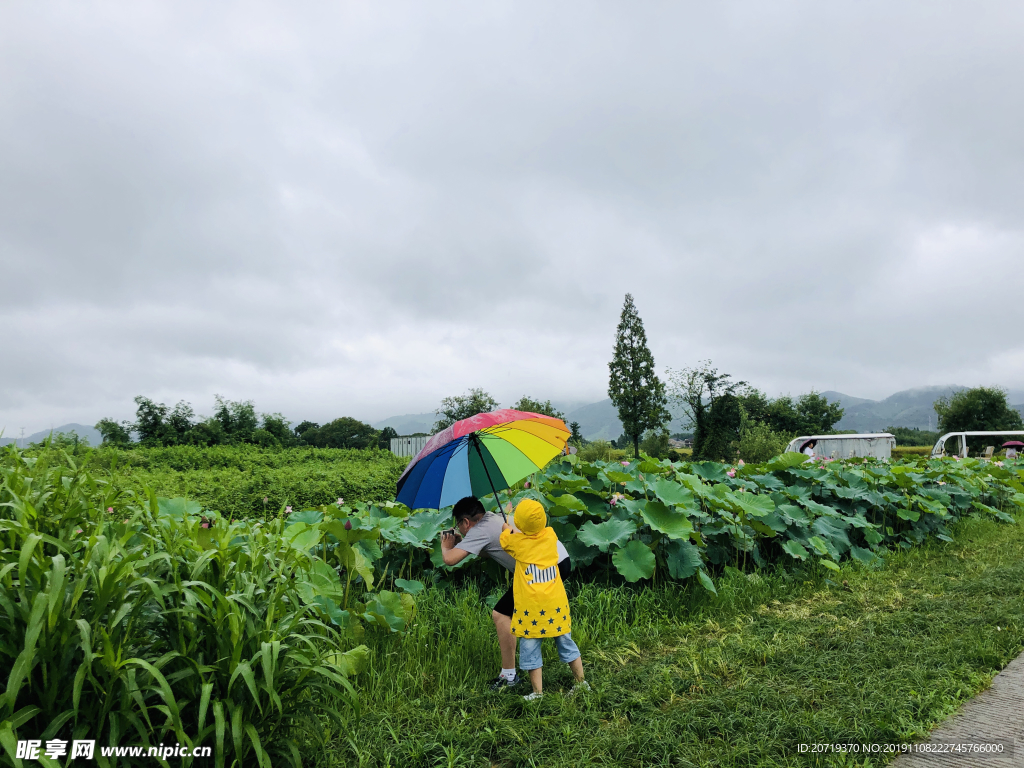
(474, 458)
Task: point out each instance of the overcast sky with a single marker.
(358, 209)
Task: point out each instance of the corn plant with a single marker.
(129, 623)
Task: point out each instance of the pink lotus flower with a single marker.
(741, 463)
(287, 510)
(941, 482)
(110, 509)
(348, 525)
(526, 484)
(624, 463)
(340, 501)
(205, 525)
(731, 473)
(78, 530)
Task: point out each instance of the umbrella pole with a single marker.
(476, 444)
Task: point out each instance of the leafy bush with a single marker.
(600, 450)
(758, 442)
(655, 444)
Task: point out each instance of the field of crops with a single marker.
(164, 620)
(245, 481)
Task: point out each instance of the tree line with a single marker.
(233, 423)
(733, 419)
(237, 422)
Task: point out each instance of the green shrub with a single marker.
(600, 450)
(655, 444)
(758, 442)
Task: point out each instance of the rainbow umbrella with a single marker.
(485, 453)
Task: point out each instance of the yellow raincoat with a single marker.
(541, 606)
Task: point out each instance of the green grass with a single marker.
(684, 678)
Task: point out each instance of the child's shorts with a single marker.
(529, 651)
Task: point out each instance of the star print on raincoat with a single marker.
(537, 588)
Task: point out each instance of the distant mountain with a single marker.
(909, 408)
(600, 420)
(409, 424)
(89, 433)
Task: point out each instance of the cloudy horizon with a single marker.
(360, 209)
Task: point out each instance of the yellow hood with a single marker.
(530, 517)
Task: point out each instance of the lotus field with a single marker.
(135, 619)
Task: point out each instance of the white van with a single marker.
(961, 443)
(877, 445)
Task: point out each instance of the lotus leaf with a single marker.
(706, 582)
(795, 549)
(309, 516)
(579, 553)
(711, 471)
(683, 559)
(603, 535)
(675, 525)
(411, 586)
(634, 561)
(351, 662)
(865, 556)
(178, 508)
(390, 610)
(671, 493)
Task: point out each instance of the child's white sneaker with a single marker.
(582, 685)
(532, 696)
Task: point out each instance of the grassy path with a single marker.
(685, 678)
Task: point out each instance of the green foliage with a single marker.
(115, 433)
(633, 386)
(345, 432)
(386, 435)
(133, 620)
(461, 407)
(981, 409)
(530, 405)
(69, 442)
(757, 441)
(905, 436)
(235, 479)
(655, 444)
(233, 422)
(696, 390)
(722, 430)
(809, 414)
(782, 511)
(600, 450)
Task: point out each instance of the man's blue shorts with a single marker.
(529, 651)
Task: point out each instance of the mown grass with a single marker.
(685, 678)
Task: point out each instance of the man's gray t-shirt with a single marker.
(484, 539)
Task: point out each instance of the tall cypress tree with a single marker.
(633, 386)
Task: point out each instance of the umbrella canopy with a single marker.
(1012, 444)
(479, 455)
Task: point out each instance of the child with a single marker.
(541, 607)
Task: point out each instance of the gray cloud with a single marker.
(362, 209)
